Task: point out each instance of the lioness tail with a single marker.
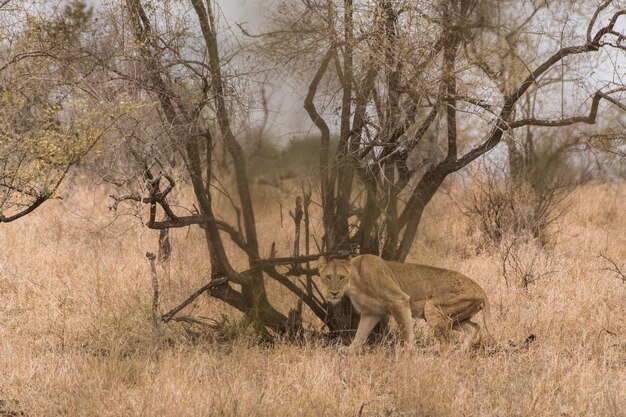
(487, 319)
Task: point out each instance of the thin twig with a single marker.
(614, 268)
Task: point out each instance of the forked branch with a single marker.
(613, 267)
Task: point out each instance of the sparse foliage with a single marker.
(47, 123)
(524, 260)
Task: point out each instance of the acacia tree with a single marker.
(407, 76)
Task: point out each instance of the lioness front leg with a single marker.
(401, 313)
(366, 325)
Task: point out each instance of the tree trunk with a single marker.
(412, 215)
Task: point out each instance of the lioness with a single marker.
(446, 299)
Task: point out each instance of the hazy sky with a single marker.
(289, 117)
(244, 10)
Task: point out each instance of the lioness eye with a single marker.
(327, 277)
(342, 277)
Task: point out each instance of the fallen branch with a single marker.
(213, 283)
(187, 319)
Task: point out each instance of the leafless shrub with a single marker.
(501, 204)
(524, 260)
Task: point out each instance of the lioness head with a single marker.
(335, 276)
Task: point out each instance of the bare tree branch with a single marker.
(306, 298)
(503, 123)
(589, 119)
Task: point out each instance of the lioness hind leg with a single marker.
(366, 325)
(437, 320)
(455, 315)
(470, 330)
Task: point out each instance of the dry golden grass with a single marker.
(75, 335)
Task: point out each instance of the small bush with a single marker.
(524, 260)
(499, 204)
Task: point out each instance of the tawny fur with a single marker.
(446, 299)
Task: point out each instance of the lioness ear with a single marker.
(321, 262)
